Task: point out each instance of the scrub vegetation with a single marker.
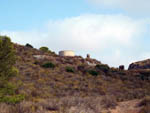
(63, 84)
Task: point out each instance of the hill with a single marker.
(145, 64)
(56, 84)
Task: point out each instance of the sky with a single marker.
(115, 32)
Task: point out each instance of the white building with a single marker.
(67, 53)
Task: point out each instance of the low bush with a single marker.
(12, 99)
(114, 70)
(8, 94)
(29, 45)
(44, 49)
(103, 67)
(121, 72)
(82, 68)
(70, 69)
(93, 72)
(109, 101)
(48, 65)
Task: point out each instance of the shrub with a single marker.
(70, 69)
(12, 99)
(44, 49)
(82, 68)
(48, 65)
(114, 70)
(103, 67)
(29, 45)
(109, 101)
(121, 72)
(93, 72)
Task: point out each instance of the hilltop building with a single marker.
(67, 53)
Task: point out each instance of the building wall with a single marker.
(67, 53)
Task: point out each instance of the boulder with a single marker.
(121, 67)
(145, 64)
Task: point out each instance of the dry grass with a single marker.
(145, 103)
(62, 105)
(78, 92)
(39, 82)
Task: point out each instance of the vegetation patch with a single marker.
(29, 45)
(7, 71)
(93, 72)
(44, 49)
(70, 69)
(48, 65)
(12, 99)
(105, 68)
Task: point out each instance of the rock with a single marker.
(121, 67)
(40, 56)
(145, 64)
(88, 55)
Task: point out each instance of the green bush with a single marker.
(12, 99)
(70, 69)
(103, 67)
(93, 72)
(48, 65)
(44, 49)
(7, 89)
(8, 94)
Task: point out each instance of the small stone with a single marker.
(88, 55)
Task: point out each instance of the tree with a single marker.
(7, 71)
(7, 58)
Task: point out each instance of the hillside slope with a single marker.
(53, 83)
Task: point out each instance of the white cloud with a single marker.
(94, 34)
(132, 6)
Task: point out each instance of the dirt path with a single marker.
(127, 107)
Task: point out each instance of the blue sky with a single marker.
(26, 14)
(113, 31)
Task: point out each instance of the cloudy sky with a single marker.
(115, 32)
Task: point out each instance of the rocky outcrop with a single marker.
(145, 64)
